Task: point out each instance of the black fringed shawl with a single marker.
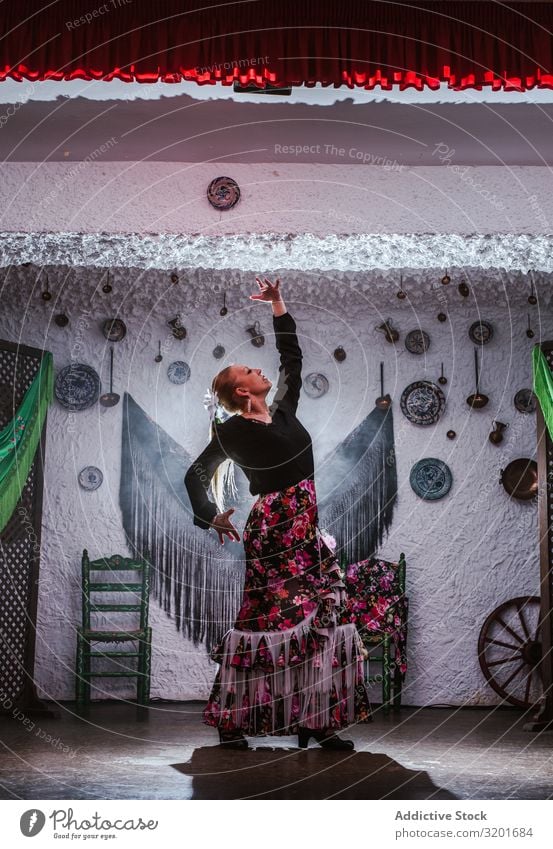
(357, 487)
(194, 578)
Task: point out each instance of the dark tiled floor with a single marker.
(418, 754)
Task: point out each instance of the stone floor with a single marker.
(420, 753)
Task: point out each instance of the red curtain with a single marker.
(298, 42)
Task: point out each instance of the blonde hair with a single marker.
(223, 478)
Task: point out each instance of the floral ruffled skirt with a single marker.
(287, 661)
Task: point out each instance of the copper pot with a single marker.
(520, 478)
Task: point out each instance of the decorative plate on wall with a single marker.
(431, 479)
(417, 342)
(422, 402)
(481, 332)
(178, 372)
(315, 385)
(525, 401)
(77, 387)
(223, 193)
(114, 329)
(90, 478)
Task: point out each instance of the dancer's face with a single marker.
(250, 381)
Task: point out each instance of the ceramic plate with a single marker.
(77, 387)
(114, 329)
(315, 385)
(223, 193)
(481, 332)
(417, 342)
(422, 402)
(178, 372)
(90, 478)
(525, 401)
(431, 478)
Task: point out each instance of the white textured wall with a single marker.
(167, 197)
(465, 554)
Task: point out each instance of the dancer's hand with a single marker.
(223, 525)
(268, 291)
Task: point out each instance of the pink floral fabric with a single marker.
(375, 603)
(290, 659)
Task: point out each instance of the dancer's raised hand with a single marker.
(270, 292)
(267, 291)
(223, 525)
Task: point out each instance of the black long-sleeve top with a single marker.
(273, 456)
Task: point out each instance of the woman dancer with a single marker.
(286, 667)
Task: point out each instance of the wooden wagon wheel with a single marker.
(509, 651)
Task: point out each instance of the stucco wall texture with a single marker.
(166, 197)
(465, 554)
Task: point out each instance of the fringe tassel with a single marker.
(190, 582)
(301, 668)
(359, 512)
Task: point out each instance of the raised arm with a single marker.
(289, 380)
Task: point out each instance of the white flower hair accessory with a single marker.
(217, 412)
(211, 403)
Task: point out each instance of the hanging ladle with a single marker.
(111, 398)
(477, 400)
(107, 287)
(223, 311)
(158, 357)
(383, 401)
(442, 379)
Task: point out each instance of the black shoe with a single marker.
(324, 739)
(232, 740)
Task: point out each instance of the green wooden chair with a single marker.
(87, 635)
(383, 631)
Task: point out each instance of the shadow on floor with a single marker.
(268, 773)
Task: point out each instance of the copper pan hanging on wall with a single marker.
(520, 478)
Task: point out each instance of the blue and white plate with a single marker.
(431, 479)
(178, 372)
(77, 387)
(90, 478)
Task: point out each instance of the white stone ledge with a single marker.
(270, 252)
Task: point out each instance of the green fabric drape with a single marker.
(20, 437)
(543, 386)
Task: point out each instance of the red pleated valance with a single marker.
(299, 42)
